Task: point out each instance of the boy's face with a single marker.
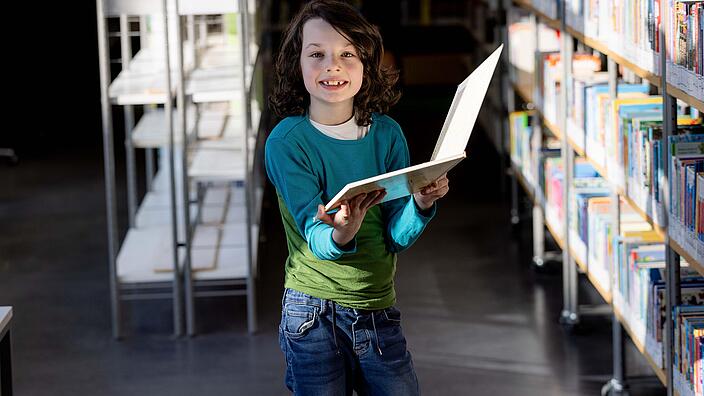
(332, 70)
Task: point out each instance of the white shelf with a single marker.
(218, 78)
(224, 235)
(151, 131)
(230, 263)
(212, 163)
(143, 81)
(142, 251)
(214, 85)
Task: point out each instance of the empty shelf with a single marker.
(216, 164)
(141, 252)
(151, 131)
(231, 263)
(143, 81)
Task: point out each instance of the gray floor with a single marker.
(478, 319)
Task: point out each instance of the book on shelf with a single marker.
(631, 28)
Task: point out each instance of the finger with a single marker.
(428, 189)
(439, 193)
(440, 183)
(379, 198)
(370, 198)
(322, 215)
(357, 201)
(344, 214)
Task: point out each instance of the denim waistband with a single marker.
(298, 297)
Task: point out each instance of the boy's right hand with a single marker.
(347, 221)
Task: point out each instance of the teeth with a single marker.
(333, 83)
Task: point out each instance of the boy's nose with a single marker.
(332, 66)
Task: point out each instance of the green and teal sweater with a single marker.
(308, 168)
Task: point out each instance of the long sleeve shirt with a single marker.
(308, 168)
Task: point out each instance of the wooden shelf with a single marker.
(659, 230)
(523, 92)
(691, 100)
(640, 72)
(618, 58)
(553, 23)
(601, 47)
(685, 254)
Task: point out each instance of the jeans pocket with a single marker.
(298, 319)
(392, 316)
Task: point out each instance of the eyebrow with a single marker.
(319, 45)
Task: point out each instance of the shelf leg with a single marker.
(617, 385)
(126, 50)
(188, 292)
(538, 236)
(149, 167)
(108, 167)
(673, 299)
(131, 167)
(515, 217)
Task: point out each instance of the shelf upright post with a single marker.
(126, 53)
(191, 33)
(203, 31)
(569, 314)
(148, 152)
(168, 107)
(187, 237)
(510, 105)
(617, 383)
(251, 293)
(109, 167)
(538, 212)
(672, 260)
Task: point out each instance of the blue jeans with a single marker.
(366, 352)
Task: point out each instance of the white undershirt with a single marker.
(348, 130)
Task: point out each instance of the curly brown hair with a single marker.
(378, 91)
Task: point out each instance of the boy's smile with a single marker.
(332, 72)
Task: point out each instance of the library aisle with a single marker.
(478, 319)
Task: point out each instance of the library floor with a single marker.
(479, 320)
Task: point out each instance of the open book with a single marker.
(449, 149)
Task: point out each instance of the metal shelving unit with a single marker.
(145, 80)
(188, 237)
(226, 245)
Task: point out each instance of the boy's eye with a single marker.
(316, 55)
(347, 54)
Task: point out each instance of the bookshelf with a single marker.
(679, 241)
(194, 234)
(620, 59)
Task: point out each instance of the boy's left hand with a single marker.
(432, 192)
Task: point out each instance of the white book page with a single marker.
(465, 109)
(399, 183)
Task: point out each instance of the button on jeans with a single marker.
(366, 353)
